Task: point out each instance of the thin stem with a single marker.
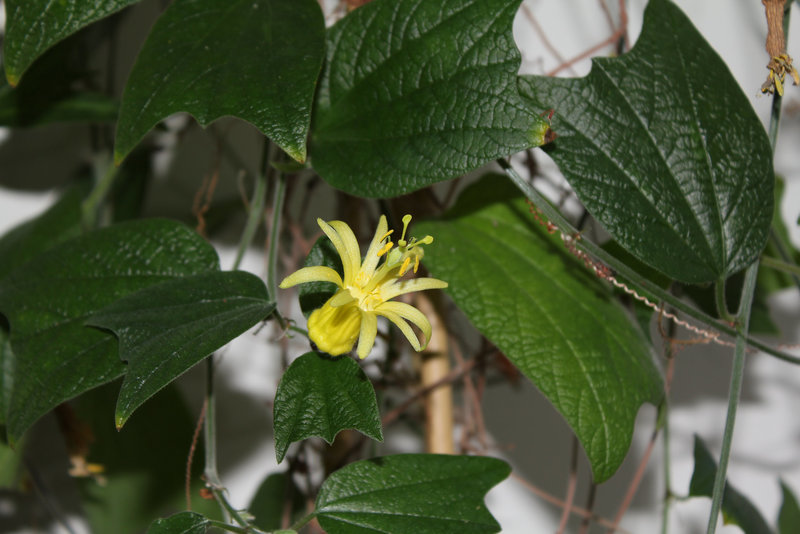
(778, 265)
(256, 209)
(737, 375)
(92, 203)
(275, 232)
(571, 485)
(227, 526)
(622, 270)
(721, 301)
(219, 495)
(209, 430)
(300, 523)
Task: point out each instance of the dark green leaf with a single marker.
(665, 151)
(313, 295)
(321, 396)
(47, 303)
(22, 107)
(789, 516)
(144, 464)
(411, 494)
(548, 315)
(33, 26)
(269, 501)
(180, 523)
(59, 223)
(418, 91)
(254, 59)
(7, 368)
(165, 329)
(736, 508)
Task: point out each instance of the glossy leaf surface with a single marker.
(33, 26)
(58, 223)
(736, 508)
(321, 396)
(789, 516)
(664, 149)
(411, 494)
(548, 314)
(180, 523)
(254, 59)
(48, 302)
(418, 91)
(165, 329)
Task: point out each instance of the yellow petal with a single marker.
(390, 291)
(404, 328)
(366, 338)
(345, 243)
(406, 311)
(341, 298)
(318, 273)
(372, 258)
(334, 330)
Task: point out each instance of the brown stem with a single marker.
(571, 485)
(452, 376)
(192, 449)
(558, 502)
(776, 41)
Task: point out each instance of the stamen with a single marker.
(387, 234)
(416, 264)
(386, 248)
(406, 220)
(405, 265)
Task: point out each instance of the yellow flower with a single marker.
(366, 290)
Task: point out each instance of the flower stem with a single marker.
(734, 393)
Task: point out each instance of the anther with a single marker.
(386, 248)
(405, 265)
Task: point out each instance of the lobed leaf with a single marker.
(165, 329)
(549, 316)
(411, 494)
(48, 301)
(414, 92)
(321, 396)
(736, 508)
(254, 59)
(664, 149)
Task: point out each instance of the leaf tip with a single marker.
(119, 157)
(12, 77)
(297, 153)
(119, 421)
